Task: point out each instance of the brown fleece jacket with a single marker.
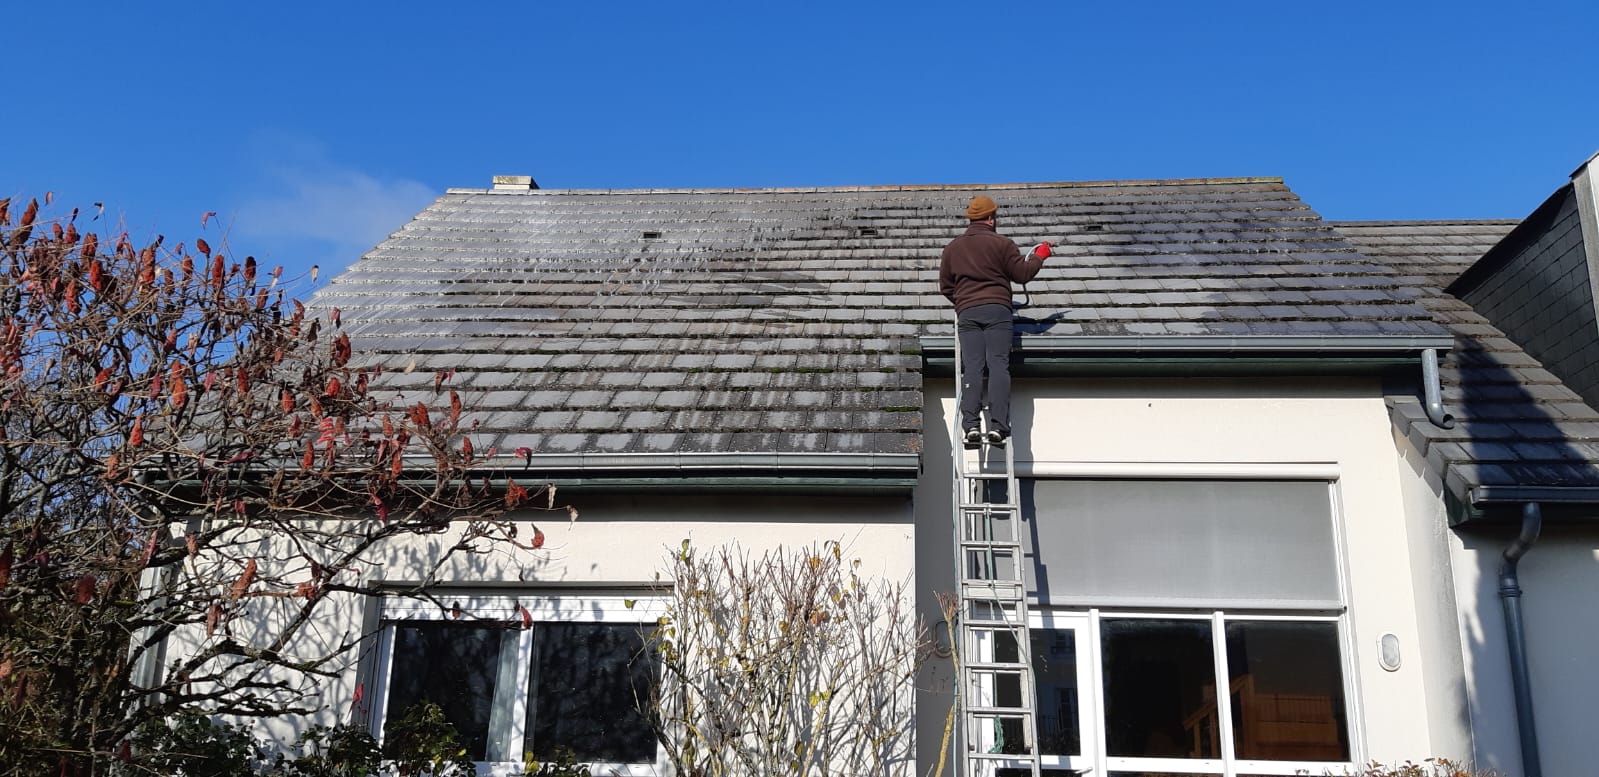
(979, 266)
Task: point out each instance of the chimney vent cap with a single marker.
(515, 183)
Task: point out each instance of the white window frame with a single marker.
(1087, 620)
(642, 609)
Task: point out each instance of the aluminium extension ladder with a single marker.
(998, 709)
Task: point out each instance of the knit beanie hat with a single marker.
(981, 208)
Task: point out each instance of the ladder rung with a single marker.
(1011, 545)
(993, 596)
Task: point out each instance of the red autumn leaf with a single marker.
(238, 504)
(101, 377)
(526, 453)
(327, 435)
(136, 436)
(85, 589)
(202, 246)
(341, 350)
(360, 691)
(514, 494)
(147, 266)
(149, 547)
(527, 617)
(241, 585)
(538, 538)
(333, 387)
(207, 216)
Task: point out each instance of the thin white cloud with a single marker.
(306, 199)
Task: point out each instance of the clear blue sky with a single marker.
(315, 129)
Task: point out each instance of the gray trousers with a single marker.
(985, 333)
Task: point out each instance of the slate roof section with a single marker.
(788, 320)
(1516, 423)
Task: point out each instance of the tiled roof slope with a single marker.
(1516, 423)
(787, 320)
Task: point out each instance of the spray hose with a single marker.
(1042, 251)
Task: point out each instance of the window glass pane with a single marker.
(1287, 689)
(1217, 544)
(588, 682)
(1160, 689)
(454, 665)
(1055, 672)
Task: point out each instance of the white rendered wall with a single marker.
(617, 540)
(1395, 560)
(1559, 577)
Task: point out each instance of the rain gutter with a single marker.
(773, 472)
(1211, 355)
(766, 472)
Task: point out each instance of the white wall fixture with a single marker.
(1388, 651)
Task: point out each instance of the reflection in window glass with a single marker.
(1160, 689)
(1055, 673)
(453, 665)
(1287, 691)
(588, 683)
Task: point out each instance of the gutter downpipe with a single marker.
(1516, 637)
(1432, 391)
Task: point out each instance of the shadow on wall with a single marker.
(1559, 577)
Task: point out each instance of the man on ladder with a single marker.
(975, 274)
(996, 693)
